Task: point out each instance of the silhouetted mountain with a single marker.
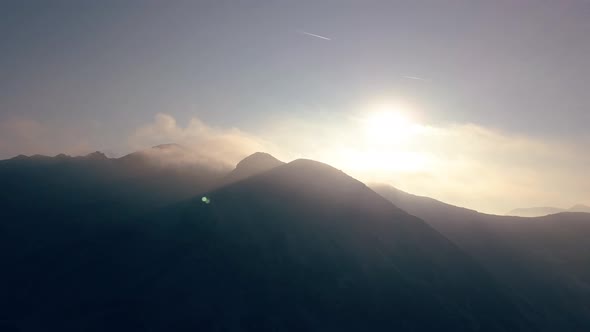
(299, 247)
(273, 246)
(95, 183)
(545, 261)
(254, 164)
(97, 155)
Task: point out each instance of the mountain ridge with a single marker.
(303, 231)
(251, 165)
(546, 210)
(312, 211)
(542, 259)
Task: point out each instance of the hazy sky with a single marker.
(497, 89)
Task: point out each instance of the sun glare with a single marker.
(391, 144)
(388, 127)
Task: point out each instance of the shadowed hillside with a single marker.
(299, 247)
(544, 260)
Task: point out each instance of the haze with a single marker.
(479, 104)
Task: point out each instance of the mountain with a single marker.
(254, 164)
(48, 200)
(535, 211)
(544, 260)
(96, 243)
(114, 187)
(543, 211)
(163, 154)
(301, 246)
(580, 208)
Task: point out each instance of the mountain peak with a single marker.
(314, 168)
(302, 162)
(20, 157)
(314, 176)
(259, 161)
(254, 164)
(96, 155)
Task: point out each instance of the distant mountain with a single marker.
(535, 211)
(580, 208)
(545, 260)
(299, 247)
(543, 211)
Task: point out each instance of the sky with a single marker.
(482, 104)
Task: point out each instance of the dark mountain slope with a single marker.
(300, 247)
(545, 260)
(52, 203)
(141, 180)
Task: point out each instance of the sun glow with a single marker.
(388, 126)
(390, 143)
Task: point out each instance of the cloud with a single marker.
(463, 164)
(213, 145)
(492, 171)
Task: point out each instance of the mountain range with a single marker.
(159, 240)
(544, 211)
(545, 261)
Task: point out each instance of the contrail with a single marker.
(416, 78)
(313, 35)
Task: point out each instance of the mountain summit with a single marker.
(254, 164)
(258, 162)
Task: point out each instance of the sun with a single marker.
(388, 127)
(388, 140)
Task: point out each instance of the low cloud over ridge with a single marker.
(209, 144)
